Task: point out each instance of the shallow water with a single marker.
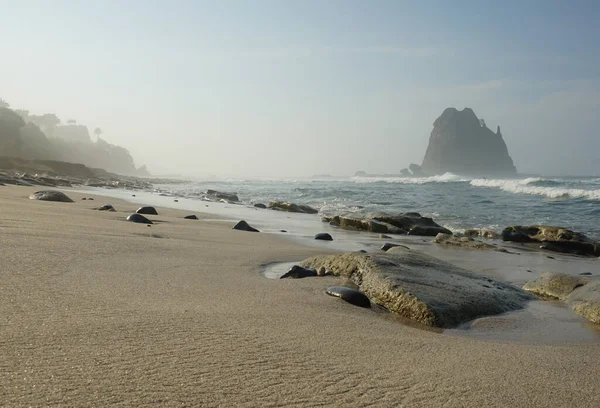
(454, 201)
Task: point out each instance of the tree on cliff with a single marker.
(97, 132)
(47, 122)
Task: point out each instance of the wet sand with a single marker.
(98, 311)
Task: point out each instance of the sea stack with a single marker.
(461, 143)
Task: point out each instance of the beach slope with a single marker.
(97, 311)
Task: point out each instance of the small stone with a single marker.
(351, 296)
(586, 274)
(138, 218)
(323, 236)
(90, 199)
(147, 211)
(388, 245)
(176, 201)
(243, 226)
(383, 236)
(282, 231)
(322, 271)
(106, 207)
(298, 272)
(259, 205)
(191, 217)
(83, 199)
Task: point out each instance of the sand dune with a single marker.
(97, 311)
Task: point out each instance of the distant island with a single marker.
(460, 143)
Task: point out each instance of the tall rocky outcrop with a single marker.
(460, 143)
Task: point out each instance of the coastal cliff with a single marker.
(461, 143)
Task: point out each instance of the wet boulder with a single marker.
(351, 296)
(423, 288)
(51, 195)
(147, 210)
(463, 242)
(138, 218)
(410, 223)
(260, 205)
(291, 207)
(554, 239)
(585, 301)
(555, 285)
(581, 293)
(244, 226)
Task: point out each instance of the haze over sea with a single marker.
(453, 201)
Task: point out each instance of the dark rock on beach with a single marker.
(138, 218)
(388, 245)
(291, 207)
(147, 211)
(244, 226)
(351, 296)
(51, 195)
(410, 223)
(323, 236)
(554, 239)
(106, 207)
(260, 205)
(298, 272)
(191, 217)
(423, 288)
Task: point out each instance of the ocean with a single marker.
(454, 201)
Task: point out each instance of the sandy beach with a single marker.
(97, 311)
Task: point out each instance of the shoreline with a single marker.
(541, 321)
(99, 311)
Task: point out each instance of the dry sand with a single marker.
(96, 311)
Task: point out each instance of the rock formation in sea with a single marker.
(461, 143)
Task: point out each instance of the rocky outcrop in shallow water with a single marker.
(421, 287)
(291, 207)
(461, 143)
(554, 239)
(410, 223)
(219, 195)
(483, 233)
(464, 242)
(581, 293)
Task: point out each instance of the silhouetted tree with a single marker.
(97, 132)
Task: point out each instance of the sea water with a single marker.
(454, 201)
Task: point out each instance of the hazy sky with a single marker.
(286, 88)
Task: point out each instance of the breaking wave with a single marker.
(551, 188)
(444, 178)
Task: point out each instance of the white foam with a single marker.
(444, 178)
(524, 187)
